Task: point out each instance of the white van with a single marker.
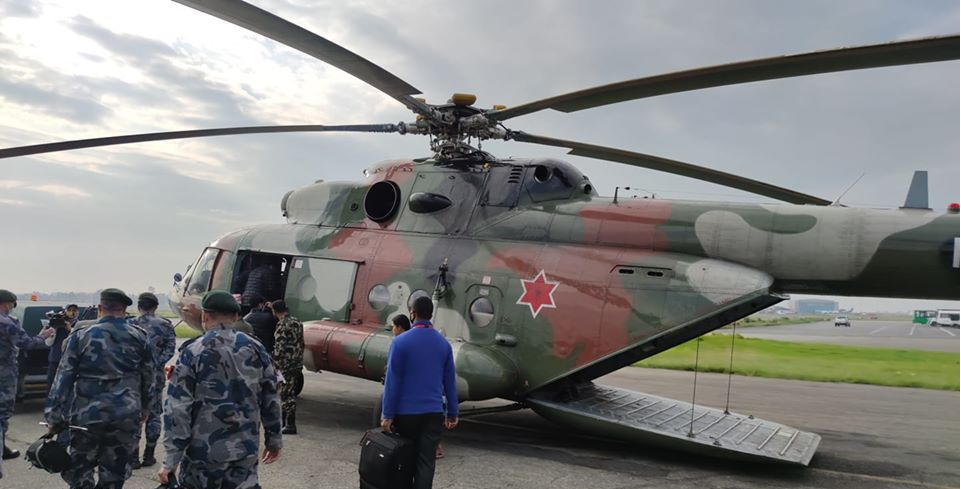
(945, 317)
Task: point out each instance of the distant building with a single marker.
(815, 306)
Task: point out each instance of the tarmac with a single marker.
(880, 334)
(873, 437)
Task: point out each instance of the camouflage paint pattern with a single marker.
(580, 284)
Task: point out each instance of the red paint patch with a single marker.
(631, 222)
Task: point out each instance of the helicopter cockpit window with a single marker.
(549, 183)
(199, 280)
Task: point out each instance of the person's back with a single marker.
(102, 376)
(222, 389)
(424, 354)
(264, 325)
(226, 372)
(420, 376)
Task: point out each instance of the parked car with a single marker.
(841, 321)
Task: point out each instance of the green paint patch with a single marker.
(816, 362)
(780, 223)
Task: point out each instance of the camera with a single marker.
(57, 319)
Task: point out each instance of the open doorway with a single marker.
(259, 275)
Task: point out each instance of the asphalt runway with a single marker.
(873, 437)
(882, 334)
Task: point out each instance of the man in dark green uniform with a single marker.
(289, 358)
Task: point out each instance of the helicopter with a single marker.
(541, 284)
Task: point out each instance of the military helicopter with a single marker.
(541, 285)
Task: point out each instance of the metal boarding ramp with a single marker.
(648, 419)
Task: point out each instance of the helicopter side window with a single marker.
(548, 183)
(202, 272)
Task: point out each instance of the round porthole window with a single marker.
(379, 297)
(413, 297)
(482, 311)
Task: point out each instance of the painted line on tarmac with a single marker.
(878, 330)
(912, 329)
(878, 478)
(945, 331)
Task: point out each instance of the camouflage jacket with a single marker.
(161, 336)
(12, 339)
(289, 345)
(223, 386)
(106, 375)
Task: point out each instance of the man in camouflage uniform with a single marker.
(104, 384)
(223, 386)
(163, 342)
(289, 358)
(12, 339)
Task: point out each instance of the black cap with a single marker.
(7, 296)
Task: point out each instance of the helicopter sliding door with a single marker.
(319, 288)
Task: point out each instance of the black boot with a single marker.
(290, 427)
(148, 457)
(9, 454)
(135, 462)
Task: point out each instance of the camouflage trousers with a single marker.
(8, 397)
(288, 396)
(107, 450)
(234, 475)
(155, 417)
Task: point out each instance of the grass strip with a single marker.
(817, 362)
(184, 331)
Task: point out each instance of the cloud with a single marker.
(132, 48)
(59, 190)
(19, 8)
(8, 184)
(13, 202)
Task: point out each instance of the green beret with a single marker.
(148, 296)
(219, 301)
(115, 295)
(7, 296)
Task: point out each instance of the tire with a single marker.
(298, 383)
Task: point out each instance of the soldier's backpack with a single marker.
(386, 461)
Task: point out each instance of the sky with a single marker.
(134, 215)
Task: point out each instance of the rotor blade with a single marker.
(673, 166)
(197, 133)
(843, 59)
(269, 25)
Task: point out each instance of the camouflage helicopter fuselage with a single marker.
(540, 284)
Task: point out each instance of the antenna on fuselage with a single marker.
(837, 201)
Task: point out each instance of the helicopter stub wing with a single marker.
(652, 420)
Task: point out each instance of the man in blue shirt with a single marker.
(420, 372)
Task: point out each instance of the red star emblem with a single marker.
(538, 293)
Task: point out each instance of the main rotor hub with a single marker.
(452, 126)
